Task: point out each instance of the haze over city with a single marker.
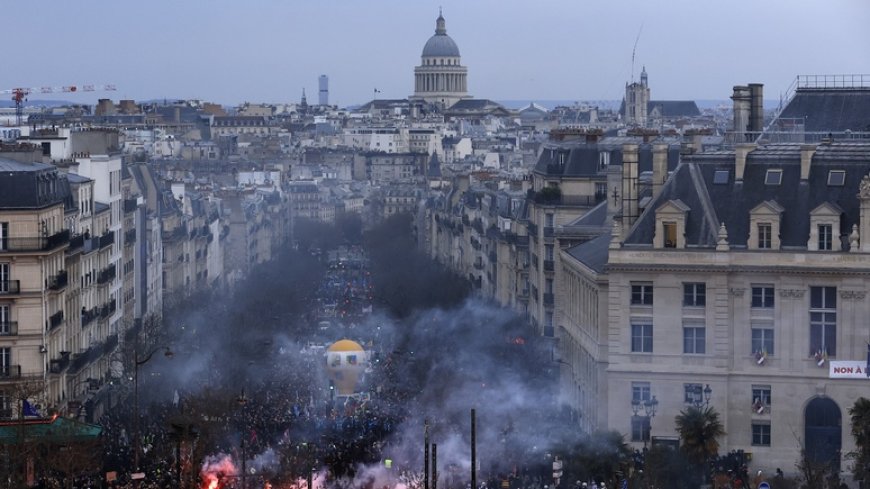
(230, 52)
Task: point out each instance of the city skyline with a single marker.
(271, 51)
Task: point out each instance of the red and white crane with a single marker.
(19, 95)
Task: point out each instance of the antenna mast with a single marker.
(634, 50)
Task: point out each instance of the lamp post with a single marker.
(138, 362)
(701, 397)
(648, 407)
(243, 401)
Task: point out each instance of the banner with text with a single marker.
(847, 369)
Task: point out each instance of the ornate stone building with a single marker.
(440, 79)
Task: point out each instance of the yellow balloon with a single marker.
(345, 361)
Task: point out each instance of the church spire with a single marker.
(440, 25)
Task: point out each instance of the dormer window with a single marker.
(764, 222)
(764, 236)
(603, 160)
(773, 177)
(825, 228)
(671, 225)
(825, 237)
(670, 231)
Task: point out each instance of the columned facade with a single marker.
(440, 79)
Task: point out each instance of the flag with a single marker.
(29, 410)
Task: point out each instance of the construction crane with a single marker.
(19, 95)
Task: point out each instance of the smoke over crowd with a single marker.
(247, 375)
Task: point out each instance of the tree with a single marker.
(699, 429)
(860, 414)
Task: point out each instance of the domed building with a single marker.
(440, 79)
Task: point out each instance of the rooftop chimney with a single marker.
(807, 152)
(740, 153)
(742, 98)
(660, 168)
(756, 108)
(629, 186)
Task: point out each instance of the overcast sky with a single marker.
(268, 50)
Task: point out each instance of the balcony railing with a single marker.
(58, 365)
(55, 320)
(106, 275)
(108, 309)
(89, 315)
(10, 372)
(10, 287)
(29, 244)
(85, 358)
(9, 328)
(110, 344)
(107, 239)
(58, 281)
(76, 242)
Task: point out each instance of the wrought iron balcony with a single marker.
(107, 239)
(55, 320)
(58, 281)
(9, 328)
(106, 275)
(89, 315)
(8, 287)
(31, 244)
(10, 372)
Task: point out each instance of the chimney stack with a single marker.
(629, 186)
(660, 168)
(807, 152)
(740, 153)
(742, 98)
(756, 108)
(864, 216)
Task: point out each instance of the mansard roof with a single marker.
(582, 158)
(732, 202)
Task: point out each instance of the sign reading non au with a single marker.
(847, 369)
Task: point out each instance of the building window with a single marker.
(4, 235)
(762, 296)
(823, 320)
(762, 340)
(761, 434)
(693, 394)
(600, 192)
(549, 219)
(5, 362)
(4, 277)
(826, 239)
(640, 428)
(603, 160)
(761, 396)
(836, 178)
(670, 231)
(641, 294)
(5, 326)
(694, 294)
(765, 233)
(640, 392)
(694, 340)
(641, 338)
(773, 177)
(720, 177)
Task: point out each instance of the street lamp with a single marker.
(138, 362)
(243, 401)
(648, 407)
(701, 397)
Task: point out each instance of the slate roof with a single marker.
(593, 253)
(476, 104)
(674, 108)
(829, 109)
(731, 202)
(583, 158)
(32, 186)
